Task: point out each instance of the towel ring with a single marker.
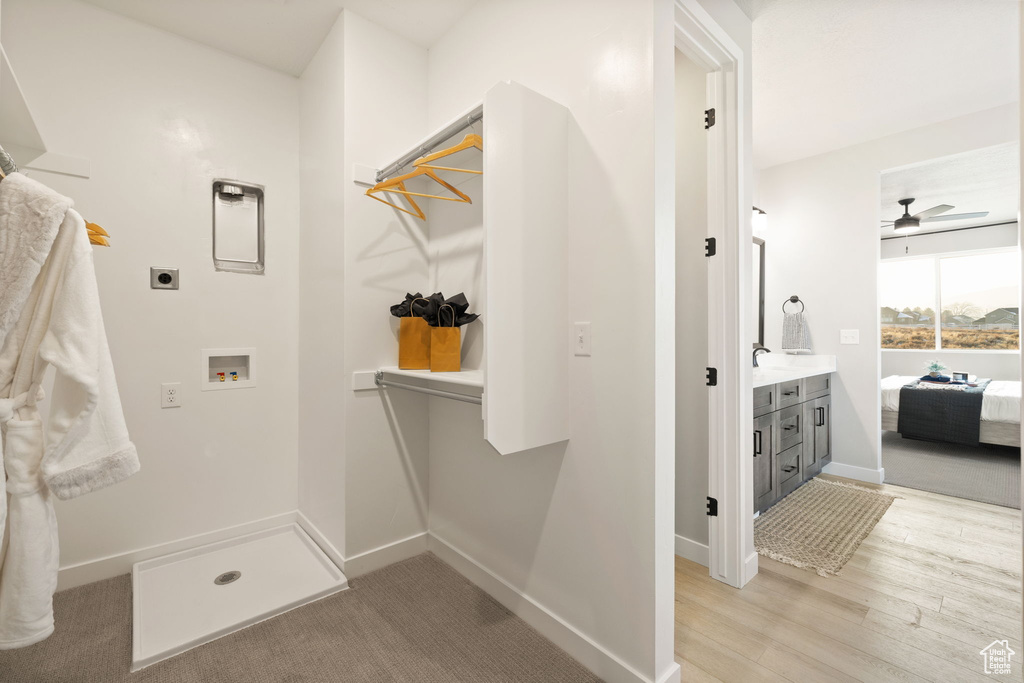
(793, 300)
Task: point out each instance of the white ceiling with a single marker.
(828, 74)
(981, 180)
(285, 34)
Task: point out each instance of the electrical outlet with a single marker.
(163, 278)
(170, 395)
(581, 339)
(849, 336)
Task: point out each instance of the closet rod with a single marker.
(379, 380)
(431, 143)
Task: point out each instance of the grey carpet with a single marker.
(985, 474)
(417, 620)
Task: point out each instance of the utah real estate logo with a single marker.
(997, 657)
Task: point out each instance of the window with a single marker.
(977, 296)
(907, 292)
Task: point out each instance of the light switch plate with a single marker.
(581, 339)
(849, 336)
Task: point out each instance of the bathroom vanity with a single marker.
(792, 423)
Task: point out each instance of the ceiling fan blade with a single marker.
(934, 211)
(955, 217)
(888, 224)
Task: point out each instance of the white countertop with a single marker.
(781, 367)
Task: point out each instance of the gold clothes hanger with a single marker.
(468, 142)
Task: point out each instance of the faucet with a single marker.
(758, 349)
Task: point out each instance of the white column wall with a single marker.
(385, 256)
(159, 117)
(570, 527)
(322, 378)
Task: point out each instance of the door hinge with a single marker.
(712, 377)
(709, 118)
(712, 507)
(710, 246)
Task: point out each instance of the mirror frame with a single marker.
(758, 242)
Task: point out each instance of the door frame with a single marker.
(731, 555)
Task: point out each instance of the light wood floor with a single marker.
(937, 580)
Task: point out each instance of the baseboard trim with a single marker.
(579, 646)
(326, 546)
(691, 550)
(749, 568)
(377, 558)
(673, 675)
(865, 474)
(114, 565)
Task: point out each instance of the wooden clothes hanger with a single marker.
(396, 185)
(471, 140)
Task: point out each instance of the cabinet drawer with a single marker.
(817, 386)
(789, 464)
(790, 429)
(790, 393)
(764, 400)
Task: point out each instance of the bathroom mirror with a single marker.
(757, 264)
(237, 226)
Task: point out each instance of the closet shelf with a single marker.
(436, 383)
(465, 378)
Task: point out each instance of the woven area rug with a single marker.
(986, 474)
(820, 525)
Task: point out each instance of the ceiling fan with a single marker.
(906, 223)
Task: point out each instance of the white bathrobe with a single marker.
(84, 444)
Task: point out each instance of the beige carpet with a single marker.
(417, 620)
(820, 525)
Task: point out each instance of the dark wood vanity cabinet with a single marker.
(792, 436)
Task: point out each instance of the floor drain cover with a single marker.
(227, 577)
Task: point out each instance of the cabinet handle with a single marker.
(821, 417)
(790, 393)
(757, 442)
(791, 468)
(789, 428)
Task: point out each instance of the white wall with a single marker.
(823, 245)
(386, 442)
(1002, 365)
(692, 307)
(363, 456)
(322, 378)
(921, 244)
(159, 117)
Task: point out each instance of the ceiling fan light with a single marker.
(905, 227)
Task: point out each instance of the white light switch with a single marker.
(849, 336)
(581, 339)
(170, 395)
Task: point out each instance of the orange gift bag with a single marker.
(413, 342)
(445, 345)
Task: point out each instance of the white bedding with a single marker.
(999, 403)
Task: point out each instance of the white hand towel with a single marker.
(794, 332)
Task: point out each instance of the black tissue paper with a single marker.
(440, 312)
(400, 310)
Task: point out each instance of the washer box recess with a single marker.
(227, 361)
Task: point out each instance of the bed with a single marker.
(1000, 409)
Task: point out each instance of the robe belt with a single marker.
(10, 406)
